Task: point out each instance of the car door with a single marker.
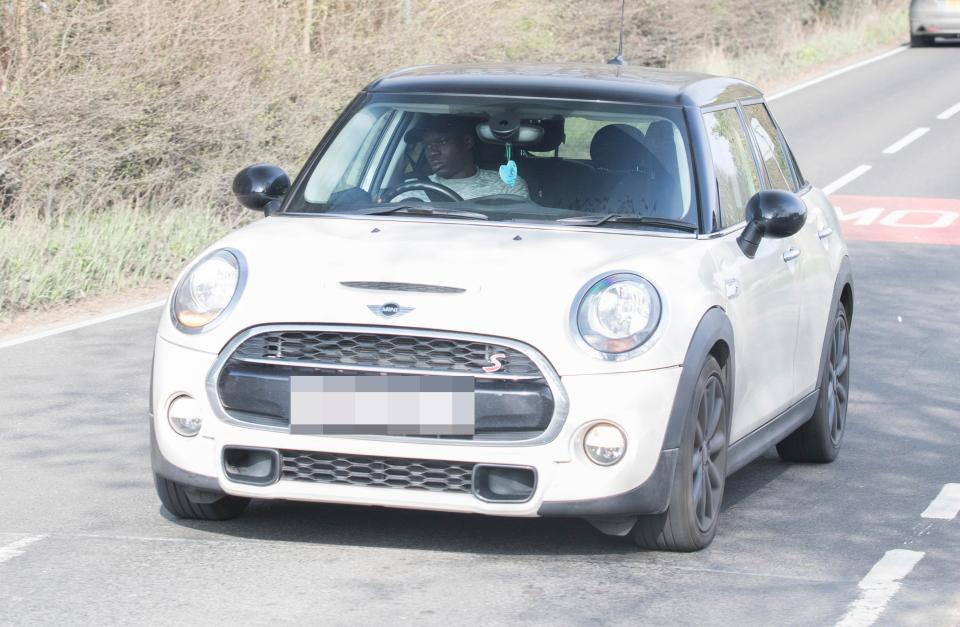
(815, 242)
(763, 301)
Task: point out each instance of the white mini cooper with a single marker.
(588, 291)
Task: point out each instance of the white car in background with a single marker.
(651, 298)
(930, 19)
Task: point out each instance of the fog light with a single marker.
(604, 444)
(184, 416)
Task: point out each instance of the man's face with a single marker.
(449, 154)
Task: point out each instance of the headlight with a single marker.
(207, 290)
(618, 313)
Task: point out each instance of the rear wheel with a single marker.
(920, 41)
(818, 440)
(690, 522)
(184, 502)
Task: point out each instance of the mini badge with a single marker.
(389, 310)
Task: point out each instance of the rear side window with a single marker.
(772, 151)
(737, 177)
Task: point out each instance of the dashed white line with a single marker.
(79, 325)
(946, 505)
(879, 586)
(949, 113)
(911, 137)
(10, 551)
(846, 178)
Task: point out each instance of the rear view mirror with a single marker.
(771, 213)
(507, 128)
(258, 186)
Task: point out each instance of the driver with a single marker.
(448, 145)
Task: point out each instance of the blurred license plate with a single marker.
(382, 405)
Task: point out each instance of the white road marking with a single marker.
(946, 505)
(857, 172)
(10, 551)
(911, 137)
(829, 75)
(79, 325)
(879, 586)
(949, 113)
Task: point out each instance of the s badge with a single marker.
(495, 360)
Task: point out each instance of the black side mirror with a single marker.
(771, 213)
(258, 186)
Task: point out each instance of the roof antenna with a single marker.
(618, 60)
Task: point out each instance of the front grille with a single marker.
(382, 350)
(384, 472)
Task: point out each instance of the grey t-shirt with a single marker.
(483, 183)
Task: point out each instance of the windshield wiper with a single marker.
(624, 218)
(424, 210)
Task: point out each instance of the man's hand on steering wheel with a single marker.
(390, 193)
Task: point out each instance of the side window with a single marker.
(772, 150)
(737, 176)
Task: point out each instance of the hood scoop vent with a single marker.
(383, 286)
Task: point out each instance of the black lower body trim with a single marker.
(162, 466)
(752, 445)
(650, 497)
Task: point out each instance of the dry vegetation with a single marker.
(122, 122)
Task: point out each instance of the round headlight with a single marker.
(206, 290)
(618, 313)
(604, 444)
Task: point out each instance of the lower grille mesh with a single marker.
(384, 472)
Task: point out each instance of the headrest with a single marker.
(617, 147)
(660, 133)
(553, 136)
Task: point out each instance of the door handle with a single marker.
(791, 254)
(825, 232)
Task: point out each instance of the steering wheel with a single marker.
(392, 192)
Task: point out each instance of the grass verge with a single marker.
(48, 262)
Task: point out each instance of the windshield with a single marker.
(508, 160)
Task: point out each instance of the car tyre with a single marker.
(920, 41)
(690, 522)
(818, 440)
(177, 500)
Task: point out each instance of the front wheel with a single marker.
(690, 522)
(818, 440)
(180, 501)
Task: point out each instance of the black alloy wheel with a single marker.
(818, 440)
(691, 519)
(709, 454)
(838, 383)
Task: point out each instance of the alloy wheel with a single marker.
(709, 453)
(838, 379)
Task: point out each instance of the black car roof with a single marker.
(574, 81)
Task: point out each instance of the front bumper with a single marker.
(568, 483)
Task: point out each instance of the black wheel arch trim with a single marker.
(163, 467)
(714, 327)
(653, 495)
(844, 279)
(650, 497)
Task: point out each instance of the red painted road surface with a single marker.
(905, 220)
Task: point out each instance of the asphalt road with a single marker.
(83, 538)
